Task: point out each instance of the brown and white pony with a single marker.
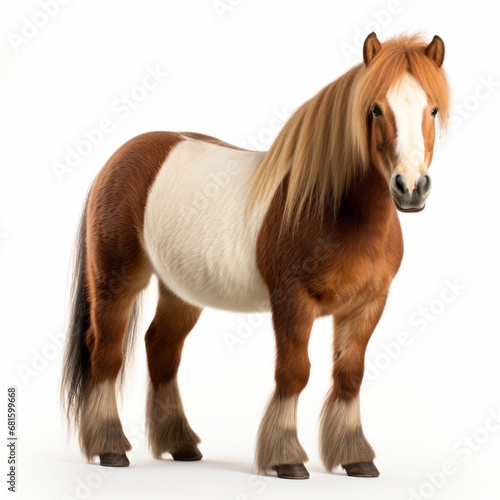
(307, 229)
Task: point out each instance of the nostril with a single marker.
(400, 183)
(424, 184)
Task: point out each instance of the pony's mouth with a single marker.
(410, 209)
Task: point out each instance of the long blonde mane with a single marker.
(324, 145)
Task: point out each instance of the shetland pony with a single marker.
(307, 229)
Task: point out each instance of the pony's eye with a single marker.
(376, 111)
(434, 112)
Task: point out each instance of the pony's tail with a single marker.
(76, 360)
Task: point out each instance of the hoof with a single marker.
(187, 455)
(114, 460)
(291, 471)
(361, 469)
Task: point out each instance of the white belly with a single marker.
(197, 234)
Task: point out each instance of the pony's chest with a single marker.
(359, 273)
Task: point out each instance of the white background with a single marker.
(232, 73)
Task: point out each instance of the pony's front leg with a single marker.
(278, 446)
(342, 441)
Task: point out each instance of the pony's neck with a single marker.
(368, 200)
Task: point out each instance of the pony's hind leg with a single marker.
(168, 428)
(278, 446)
(112, 297)
(342, 441)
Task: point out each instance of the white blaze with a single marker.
(408, 100)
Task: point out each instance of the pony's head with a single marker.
(379, 115)
(402, 92)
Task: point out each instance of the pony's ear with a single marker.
(435, 50)
(371, 48)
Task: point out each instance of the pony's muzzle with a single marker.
(406, 200)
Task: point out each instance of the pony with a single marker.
(307, 229)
